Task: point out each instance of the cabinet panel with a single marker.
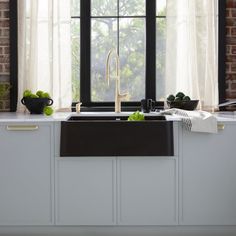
(25, 175)
(147, 191)
(209, 188)
(86, 193)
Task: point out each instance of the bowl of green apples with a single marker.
(181, 101)
(38, 103)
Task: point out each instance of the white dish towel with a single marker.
(195, 121)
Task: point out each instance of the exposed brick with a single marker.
(233, 86)
(5, 14)
(233, 31)
(233, 49)
(228, 12)
(230, 22)
(6, 50)
(4, 23)
(6, 68)
(4, 32)
(231, 58)
(230, 77)
(233, 67)
(4, 41)
(6, 59)
(4, 5)
(230, 95)
(233, 12)
(230, 3)
(231, 40)
(227, 67)
(228, 31)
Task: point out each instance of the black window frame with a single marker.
(13, 55)
(85, 59)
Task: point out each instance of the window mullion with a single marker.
(85, 39)
(151, 49)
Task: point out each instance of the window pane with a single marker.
(132, 7)
(132, 55)
(161, 7)
(104, 38)
(160, 58)
(75, 39)
(75, 7)
(104, 7)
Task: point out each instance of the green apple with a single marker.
(46, 95)
(27, 93)
(39, 93)
(48, 111)
(33, 96)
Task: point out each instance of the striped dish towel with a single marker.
(195, 121)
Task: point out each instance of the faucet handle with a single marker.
(123, 96)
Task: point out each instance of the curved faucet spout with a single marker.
(118, 95)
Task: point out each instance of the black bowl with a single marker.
(36, 105)
(185, 105)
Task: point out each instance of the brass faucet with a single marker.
(118, 96)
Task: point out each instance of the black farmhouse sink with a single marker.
(115, 136)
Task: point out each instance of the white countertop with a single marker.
(63, 116)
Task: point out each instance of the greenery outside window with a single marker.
(136, 28)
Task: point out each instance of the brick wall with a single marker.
(4, 55)
(231, 49)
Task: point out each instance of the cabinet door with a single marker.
(147, 191)
(25, 177)
(86, 193)
(209, 178)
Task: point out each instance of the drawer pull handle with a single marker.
(221, 126)
(22, 128)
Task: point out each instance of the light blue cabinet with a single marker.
(26, 186)
(147, 190)
(208, 183)
(86, 193)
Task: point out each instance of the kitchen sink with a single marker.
(112, 118)
(116, 136)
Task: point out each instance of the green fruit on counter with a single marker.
(186, 98)
(46, 95)
(180, 95)
(27, 93)
(136, 116)
(178, 99)
(33, 96)
(48, 111)
(171, 98)
(39, 93)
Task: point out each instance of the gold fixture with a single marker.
(22, 127)
(118, 96)
(221, 126)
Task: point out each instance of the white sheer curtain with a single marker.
(191, 50)
(44, 49)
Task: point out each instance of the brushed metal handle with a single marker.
(22, 127)
(221, 126)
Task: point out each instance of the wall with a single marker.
(4, 54)
(230, 48)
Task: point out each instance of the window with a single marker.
(136, 28)
(87, 23)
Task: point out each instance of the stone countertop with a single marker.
(63, 116)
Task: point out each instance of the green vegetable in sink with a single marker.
(137, 116)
